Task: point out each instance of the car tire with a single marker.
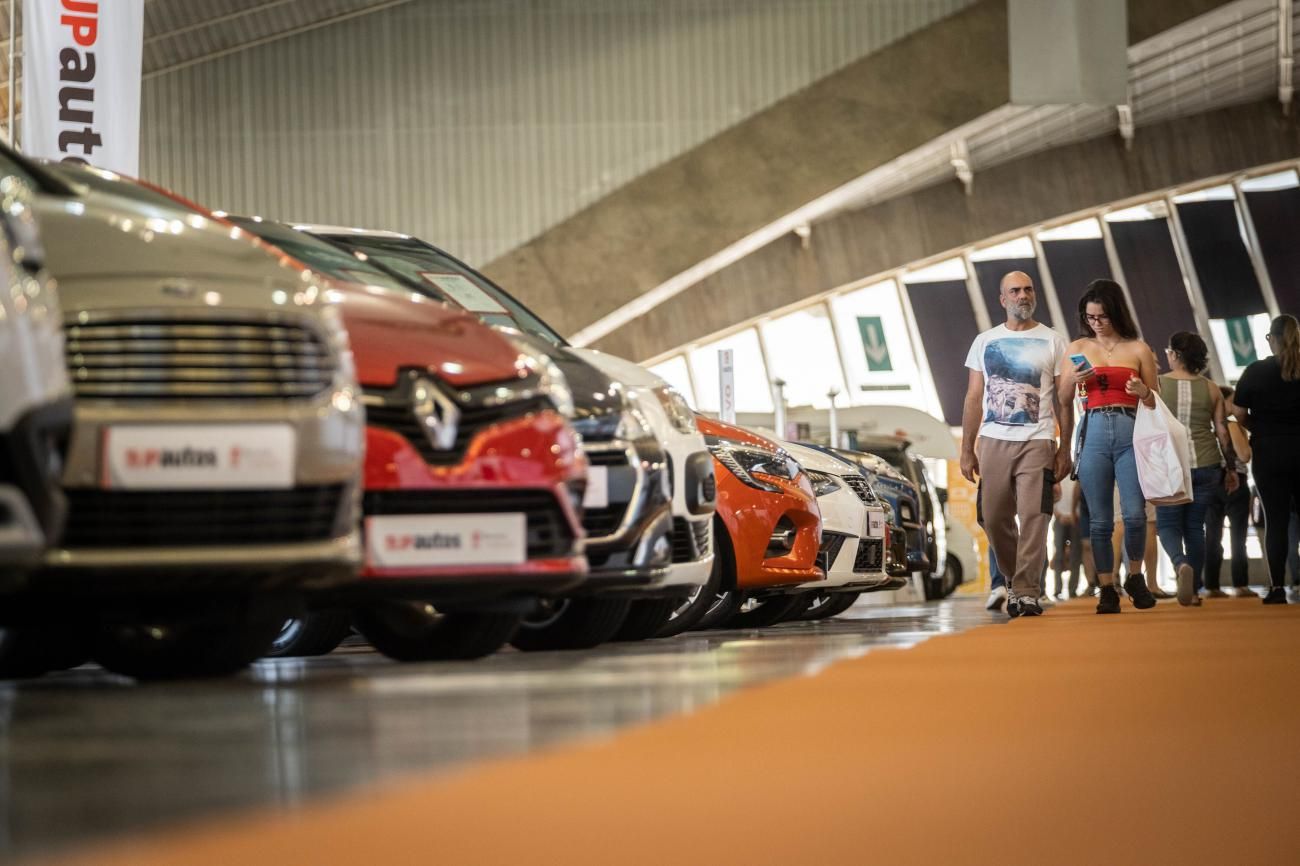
(646, 618)
(722, 607)
(952, 575)
(828, 604)
(186, 648)
(771, 610)
(30, 652)
(692, 610)
(416, 631)
(317, 633)
(571, 623)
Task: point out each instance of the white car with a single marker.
(35, 397)
(855, 533)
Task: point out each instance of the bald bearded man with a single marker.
(1012, 409)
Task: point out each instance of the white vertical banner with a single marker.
(727, 385)
(81, 81)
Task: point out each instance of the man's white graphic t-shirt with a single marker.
(1019, 370)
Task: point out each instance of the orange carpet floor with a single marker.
(1166, 736)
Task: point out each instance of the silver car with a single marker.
(214, 463)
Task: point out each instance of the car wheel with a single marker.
(186, 648)
(828, 604)
(29, 652)
(952, 575)
(571, 623)
(721, 607)
(691, 610)
(316, 634)
(646, 618)
(416, 631)
(763, 612)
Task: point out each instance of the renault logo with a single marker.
(436, 414)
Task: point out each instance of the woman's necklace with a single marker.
(1108, 349)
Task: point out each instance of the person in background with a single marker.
(1234, 506)
(1269, 391)
(1117, 370)
(1067, 556)
(1198, 404)
(1012, 407)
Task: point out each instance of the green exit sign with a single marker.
(1243, 342)
(874, 344)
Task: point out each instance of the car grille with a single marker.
(831, 544)
(871, 555)
(690, 539)
(548, 532)
(601, 522)
(859, 485)
(400, 418)
(193, 518)
(215, 359)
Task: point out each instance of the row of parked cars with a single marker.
(223, 438)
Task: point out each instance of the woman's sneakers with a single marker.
(1109, 600)
(1276, 595)
(1186, 585)
(1136, 587)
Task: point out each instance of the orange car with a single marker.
(768, 529)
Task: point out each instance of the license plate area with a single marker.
(440, 540)
(198, 457)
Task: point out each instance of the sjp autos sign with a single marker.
(81, 81)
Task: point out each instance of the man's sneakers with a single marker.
(1276, 595)
(1030, 607)
(1013, 606)
(1136, 587)
(997, 598)
(1186, 585)
(1109, 601)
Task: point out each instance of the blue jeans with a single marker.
(1181, 528)
(1107, 460)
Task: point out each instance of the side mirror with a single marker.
(20, 224)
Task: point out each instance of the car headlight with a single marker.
(331, 316)
(676, 408)
(822, 483)
(748, 462)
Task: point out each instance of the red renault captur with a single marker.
(473, 476)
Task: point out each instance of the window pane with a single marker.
(946, 323)
(753, 394)
(878, 357)
(801, 350)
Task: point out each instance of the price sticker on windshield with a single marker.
(464, 292)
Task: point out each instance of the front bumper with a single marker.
(305, 534)
(629, 540)
(494, 478)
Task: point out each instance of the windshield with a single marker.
(440, 276)
(321, 256)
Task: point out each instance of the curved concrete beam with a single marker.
(857, 244)
(767, 166)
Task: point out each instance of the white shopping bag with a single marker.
(1164, 456)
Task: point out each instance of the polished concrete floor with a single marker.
(86, 755)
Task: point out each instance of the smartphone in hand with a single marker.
(1081, 363)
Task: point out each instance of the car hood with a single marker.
(594, 393)
(810, 458)
(710, 427)
(390, 333)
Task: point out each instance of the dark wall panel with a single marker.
(1276, 214)
(946, 322)
(1155, 281)
(990, 274)
(1222, 261)
(1074, 263)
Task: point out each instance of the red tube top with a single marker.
(1107, 387)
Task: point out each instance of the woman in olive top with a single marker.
(1269, 391)
(1198, 404)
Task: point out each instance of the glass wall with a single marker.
(675, 372)
(801, 351)
(753, 393)
(945, 321)
(878, 358)
(1075, 255)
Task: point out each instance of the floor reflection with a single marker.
(85, 755)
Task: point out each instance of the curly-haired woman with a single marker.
(1199, 405)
